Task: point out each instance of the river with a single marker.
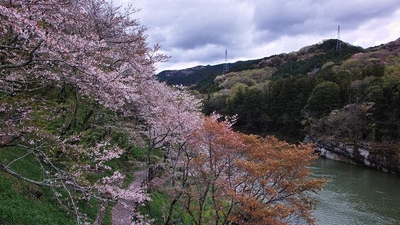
(356, 195)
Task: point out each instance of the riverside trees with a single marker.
(74, 77)
(232, 178)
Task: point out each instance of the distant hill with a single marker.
(203, 75)
(313, 56)
(303, 61)
(349, 93)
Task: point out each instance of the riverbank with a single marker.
(383, 157)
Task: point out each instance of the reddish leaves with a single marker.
(246, 179)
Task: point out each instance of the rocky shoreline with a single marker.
(380, 157)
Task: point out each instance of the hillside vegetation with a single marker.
(349, 94)
(82, 113)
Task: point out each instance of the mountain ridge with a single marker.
(201, 76)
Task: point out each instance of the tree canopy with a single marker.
(79, 102)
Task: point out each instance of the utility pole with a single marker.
(225, 68)
(338, 43)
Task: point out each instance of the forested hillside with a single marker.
(348, 93)
(82, 114)
(202, 77)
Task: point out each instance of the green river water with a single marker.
(356, 195)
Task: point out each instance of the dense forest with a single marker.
(349, 93)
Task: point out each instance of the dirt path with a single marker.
(122, 211)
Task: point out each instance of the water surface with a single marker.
(356, 195)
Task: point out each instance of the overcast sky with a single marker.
(197, 32)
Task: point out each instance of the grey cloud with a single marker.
(205, 26)
(198, 32)
(276, 19)
(193, 36)
(355, 10)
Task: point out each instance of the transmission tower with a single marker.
(225, 68)
(338, 43)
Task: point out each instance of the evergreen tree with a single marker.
(324, 98)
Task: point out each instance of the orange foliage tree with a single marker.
(274, 186)
(232, 178)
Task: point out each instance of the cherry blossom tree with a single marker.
(96, 47)
(171, 115)
(90, 52)
(98, 52)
